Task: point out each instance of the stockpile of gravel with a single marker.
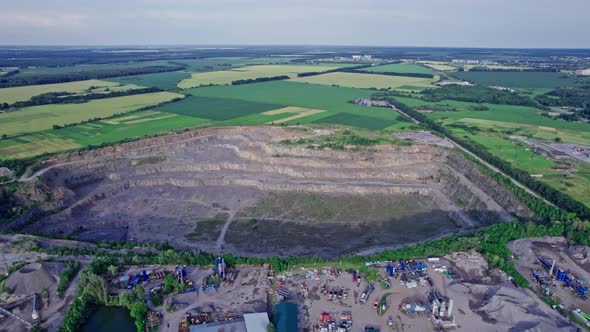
(32, 278)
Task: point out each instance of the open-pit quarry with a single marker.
(243, 190)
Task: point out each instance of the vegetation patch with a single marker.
(403, 68)
(365, 81)
(517, 79)
(164, 81)
(24, 93)
(354, 120)
(248, 73)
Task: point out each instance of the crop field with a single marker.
(469, 67)
(438, 65)
(354, 120)
(332, 100)
(124, 127)
(327, 98)
(217, 109)
(365, 81)
(93, 67)
(517, 79)
(223, 63)
(292, 113)
(404, 68)
(24, 93)
(39, 118)
(164, 81)
(249, 72)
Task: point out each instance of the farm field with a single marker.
(135, 125)
(332, 100)
(39, 118)
(40, 71)
(354, 120)
(222, 63)
(225, 77)
(517, 79)
(216, 109)
(404, 68)
(438, 65)
(164, 81)
(365, 81)
(24, 93)
(329, 98)
(469, 67)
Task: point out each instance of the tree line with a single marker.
(34, 79)
(74, 98)
(343, 69)
(387, 73)
(260, 79)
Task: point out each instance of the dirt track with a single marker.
(171, 188)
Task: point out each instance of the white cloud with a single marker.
(33, 20)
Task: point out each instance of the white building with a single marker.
(583, 72)
(257, 322)
(466, 61)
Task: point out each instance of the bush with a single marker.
(71, 269)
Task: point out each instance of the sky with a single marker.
(452, 23)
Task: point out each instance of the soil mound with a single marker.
(579, 254)
(32, 278)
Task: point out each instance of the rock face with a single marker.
(161, 189)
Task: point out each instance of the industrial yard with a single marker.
(458, 291)
(557, 271)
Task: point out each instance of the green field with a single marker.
(124, 127)
(223, 63)
(491, 129)
(578, 185)
(517, 79)
(353, 120)
(217, 109)
(250, 72)
(89, 68)
(164, 81)
(39, 118)
(438, 65)
(403, 68)
(333, 100)
(24, 93)
(365, 81)
(518, 115)
(329, 98)
(469, 67)
(519, 154)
